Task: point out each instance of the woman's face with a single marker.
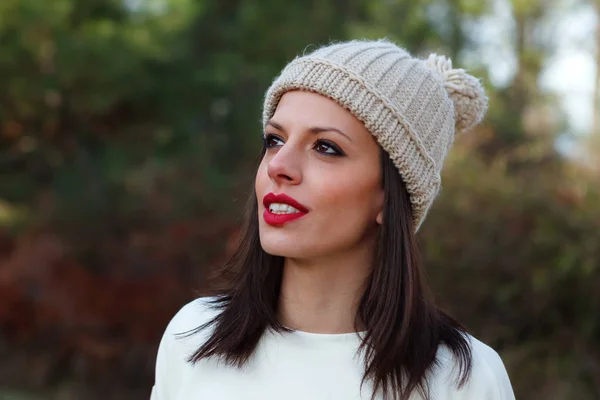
(319, 184)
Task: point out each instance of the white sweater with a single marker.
(301, 366)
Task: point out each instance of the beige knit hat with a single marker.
(411, 106)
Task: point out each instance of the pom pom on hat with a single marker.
(466, 92)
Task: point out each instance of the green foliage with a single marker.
(516, 257)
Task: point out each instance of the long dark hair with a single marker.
(403, 326)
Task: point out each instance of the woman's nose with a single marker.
(284, 166)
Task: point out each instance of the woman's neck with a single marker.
(323, 296)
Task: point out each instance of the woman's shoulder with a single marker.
(488, 378)
(179, 341)
(193, 315)
(487, 365)
(188, 329)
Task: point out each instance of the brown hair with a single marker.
(403, 325)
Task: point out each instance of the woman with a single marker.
(326, 297)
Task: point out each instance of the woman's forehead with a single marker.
(303, 109)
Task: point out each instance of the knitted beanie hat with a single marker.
(411, 106)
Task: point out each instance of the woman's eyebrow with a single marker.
(312, 129)
(275, 125)
(319, 129)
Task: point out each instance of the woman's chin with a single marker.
(291, 246)
(288, 250)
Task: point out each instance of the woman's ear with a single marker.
(380, 200)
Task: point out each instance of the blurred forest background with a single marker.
(129, 131)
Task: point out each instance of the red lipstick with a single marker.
(280, 219)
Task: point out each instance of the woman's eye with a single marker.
(271, 140)
(325, 147)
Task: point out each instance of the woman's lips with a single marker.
(280, 219)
